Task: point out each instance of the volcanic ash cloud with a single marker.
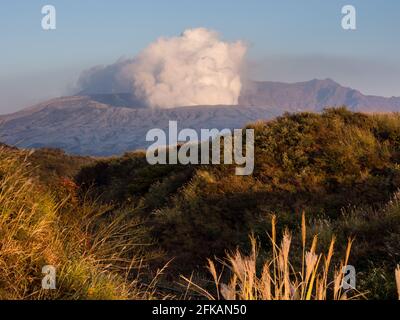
(196, 68)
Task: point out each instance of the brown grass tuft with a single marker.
(96, 255)
(398, 280)
(278, 279)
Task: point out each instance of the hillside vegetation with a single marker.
(96, 252)
(109, 224)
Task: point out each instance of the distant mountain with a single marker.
(80, 125)
(110, 124)
(115, 99)
(313, 95)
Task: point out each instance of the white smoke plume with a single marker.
(196, 68)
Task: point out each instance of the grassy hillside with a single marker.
(96, 252)
(103, 219)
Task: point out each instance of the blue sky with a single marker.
(289, 40)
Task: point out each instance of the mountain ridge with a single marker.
(83, 126)
(314, 95)
(105, 124)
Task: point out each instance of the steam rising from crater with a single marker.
(196, 68)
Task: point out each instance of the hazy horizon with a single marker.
(286, 41)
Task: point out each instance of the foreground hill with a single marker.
(341, 168)
(119, 214)
(111, 124)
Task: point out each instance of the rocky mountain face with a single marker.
(83, 126)
(313, 95)
(111, 124)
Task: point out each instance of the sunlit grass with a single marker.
(278, 279)
(100, 252)
(398, 280)
(96, 256)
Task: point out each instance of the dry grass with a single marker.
(398, 280)
(278, 280)
(102, 256)
(97, 256)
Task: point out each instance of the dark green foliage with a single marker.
(129, 178)
(53, 164)
(324, 162)
(340, 167)
(320, 163)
